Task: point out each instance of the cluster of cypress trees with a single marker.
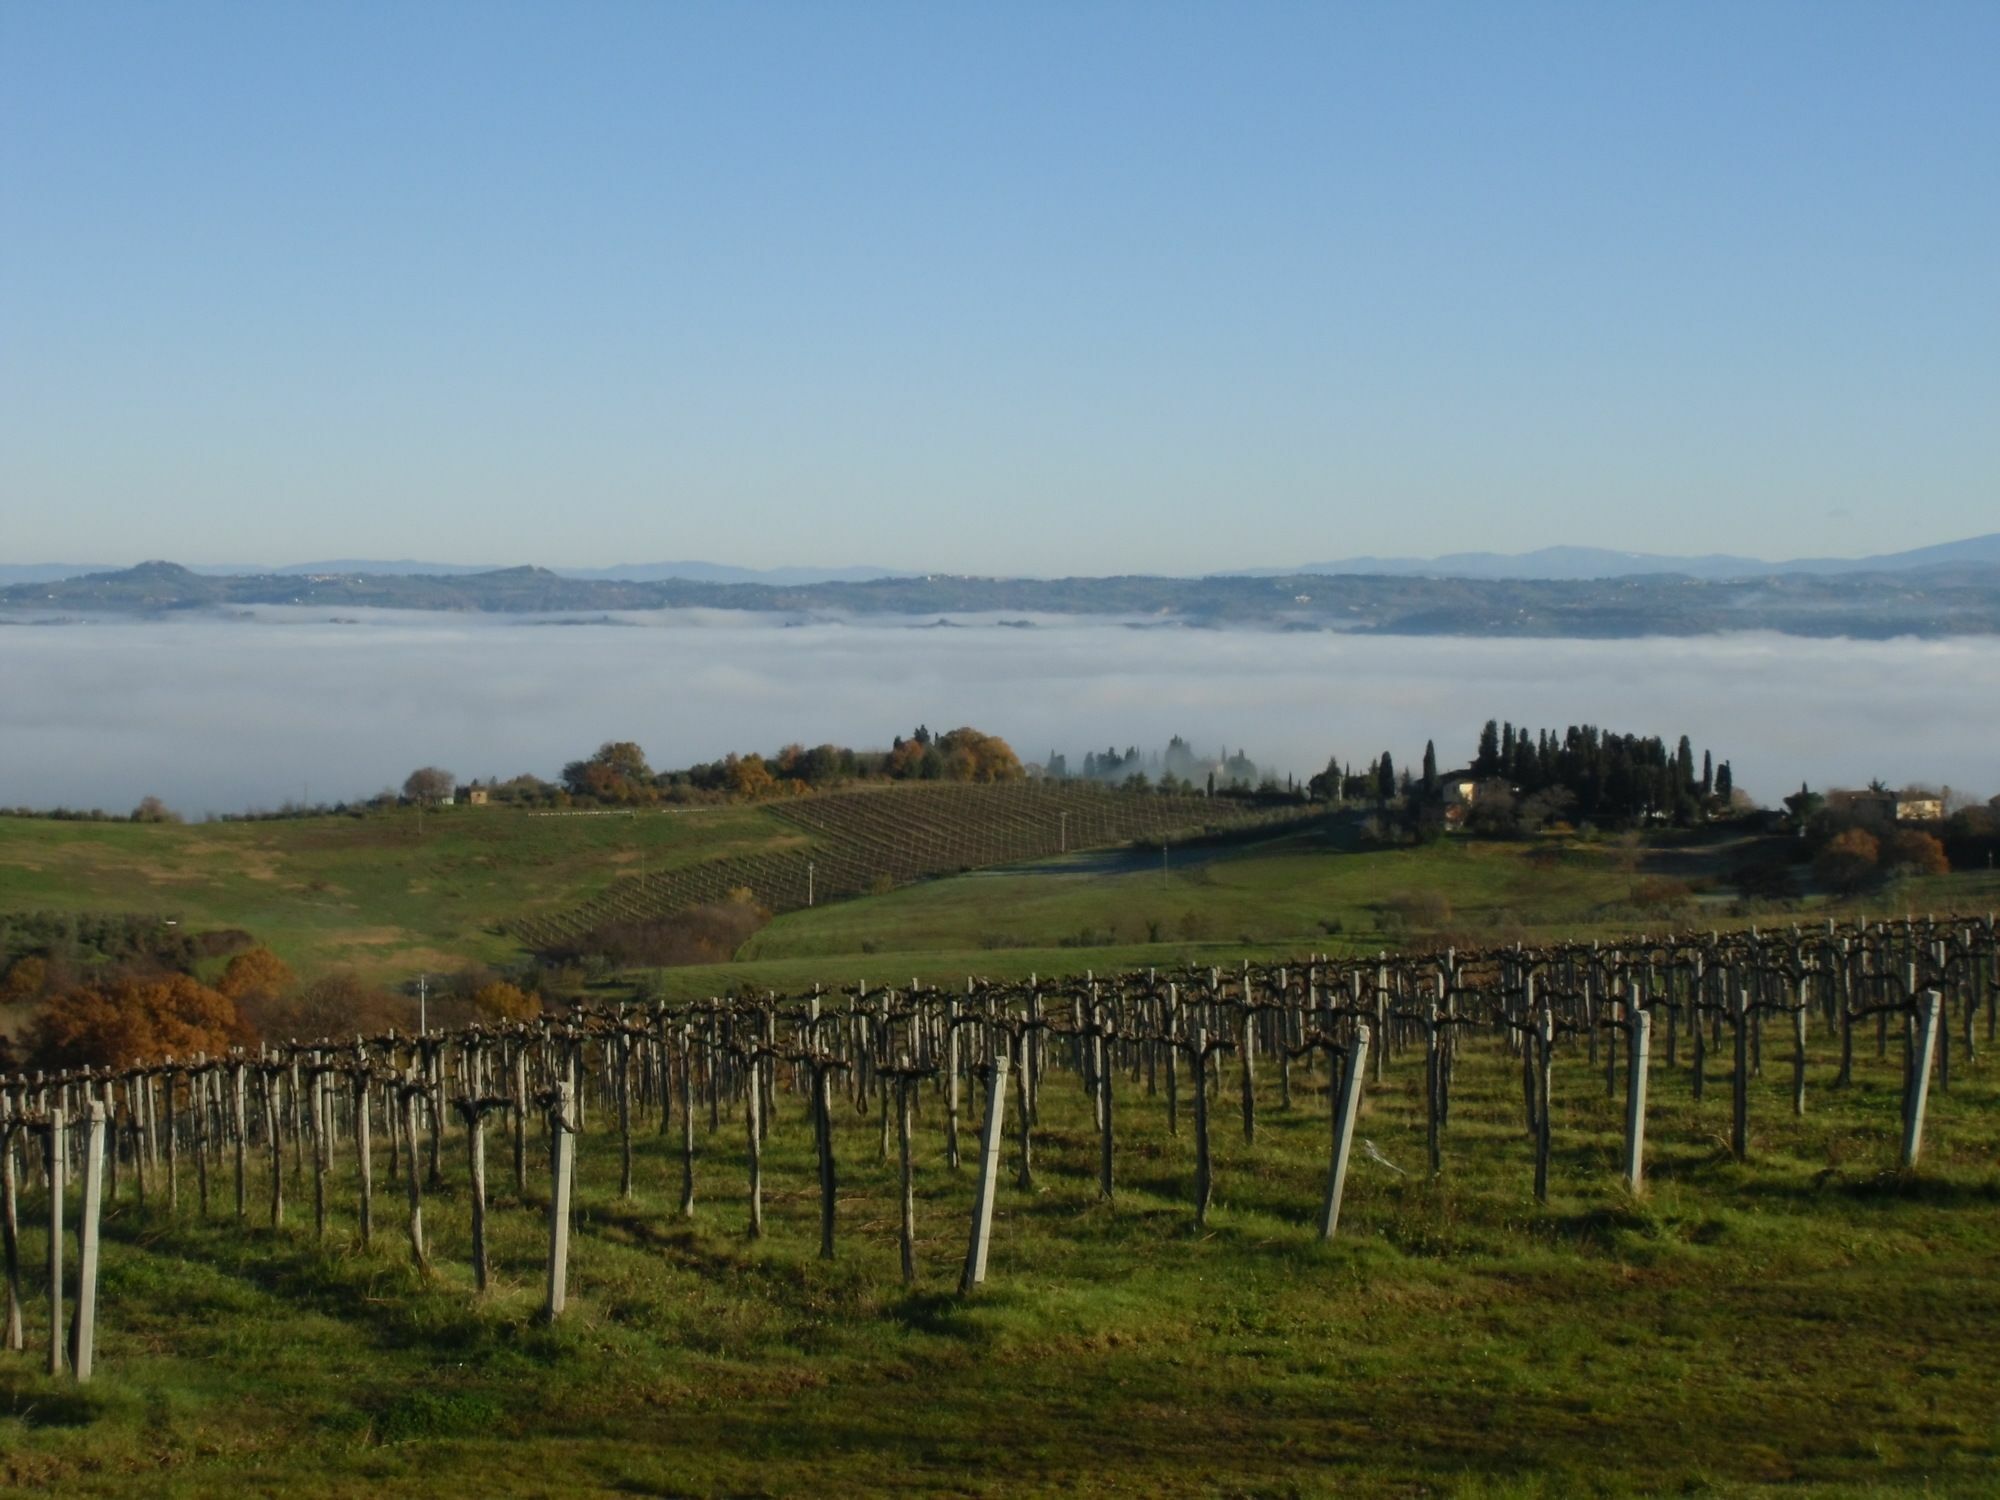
(1613, 777)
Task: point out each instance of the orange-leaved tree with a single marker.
(130, 1020)
(970, 755)
(501, 1001)
(25, 981)
(256, 974)
(748, 776)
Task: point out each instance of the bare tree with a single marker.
(429, 785)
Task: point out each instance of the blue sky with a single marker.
(1079, 288)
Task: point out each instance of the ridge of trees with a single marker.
(1525, 779)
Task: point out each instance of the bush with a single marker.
(1848, 859)
(702, 935)
(132, 1020)
(257, 976)
(497, 1000)
(1912, 851)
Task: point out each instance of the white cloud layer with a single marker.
(218, 715)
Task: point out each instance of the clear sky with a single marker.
(997, 288)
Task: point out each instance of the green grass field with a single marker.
(368, 894)
(1287, 895)
(1808, 1320)
(372, 896)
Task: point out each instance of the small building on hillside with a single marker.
(1919, 809)
(1458, 788)
(474, 795)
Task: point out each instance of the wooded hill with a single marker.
(1948, 600)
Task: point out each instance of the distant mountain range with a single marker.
(1568, 563)
(1936, 599)
(1550, 563)
(696, 572)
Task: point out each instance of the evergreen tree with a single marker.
(1725, 781)
(1430, 769)
(1521, 768)
(1487, 762)
(1385, 777)
(1707, 775)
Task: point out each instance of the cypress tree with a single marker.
(1487, 763)
(1430, 769)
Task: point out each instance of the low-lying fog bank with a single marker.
(216, 715)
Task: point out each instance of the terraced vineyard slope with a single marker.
(865, 841)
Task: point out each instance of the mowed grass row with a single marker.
(1806, 1319)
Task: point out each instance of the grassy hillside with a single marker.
(1805, 1321)
(853, 842)
(1291, 893)
(369, 893)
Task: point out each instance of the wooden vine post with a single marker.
(1346, 1109)
(1930, 1009)
(1739, 1128)
(753, 1125)
(83, 1333)
(364, 1160)
(687, 1122)
(240, 1121)
(1544, 1039)
(559, 1102)
(55, 1146)
(1105, 1029)
(989, 1172)
(1635, 1098)
(15, 1335)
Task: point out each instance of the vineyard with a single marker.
(865, 842)
(1678, 1151)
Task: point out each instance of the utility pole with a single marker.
(423, 1008)
(1163, 862)
(809, 882)
(1063, 838)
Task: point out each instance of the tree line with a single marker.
(1523, 779)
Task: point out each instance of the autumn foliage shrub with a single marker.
(501, 1001)
(128, 1020)
(257, 975)
(1914, 852)
(1848, 859)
